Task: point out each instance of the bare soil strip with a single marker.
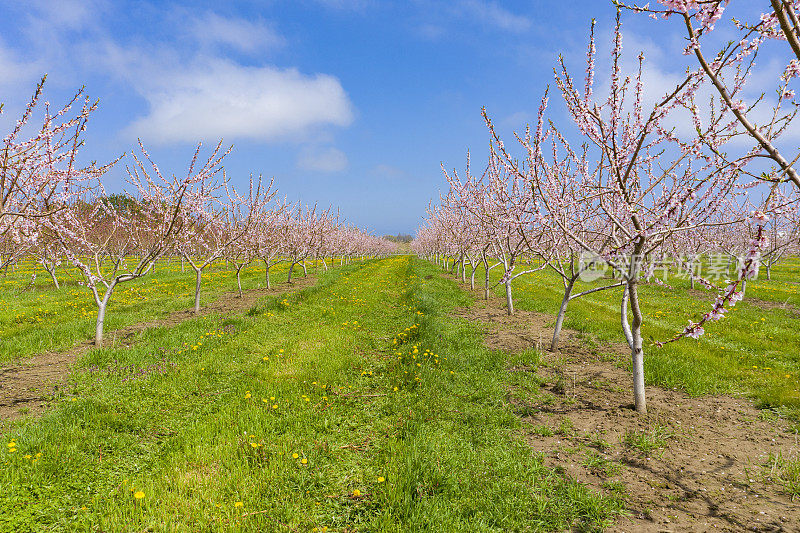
(713, 471)
(27, 387)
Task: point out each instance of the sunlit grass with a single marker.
(753, 351)
(359, 403)
(68, 314)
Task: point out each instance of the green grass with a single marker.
(395, 410)
(753, 351)
(646, 441)
(68, 314)
(786, 471)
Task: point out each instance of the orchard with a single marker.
(593, 327)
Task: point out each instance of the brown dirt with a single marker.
(26, 387)
(712, 472)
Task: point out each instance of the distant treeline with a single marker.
(400, 237)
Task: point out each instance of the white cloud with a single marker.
(495, 15)
(322, 160)
(240, 34)
(218, 98)
(64, 14)
(388, 172)
(15, 72)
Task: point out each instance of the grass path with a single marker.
(68, 315)
(753, 352)
(357, 404)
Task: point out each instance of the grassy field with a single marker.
(68, 314)
(357, 403)
(754, 351)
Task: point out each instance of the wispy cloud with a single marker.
(14, 71)
(316, 159)
(388, 172)
(243, 35)
(492, 14)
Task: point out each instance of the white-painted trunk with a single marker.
(637, 353)
(562, 311)
(52, 273)
(486, 279)
(101, 316)
(509, 300)
(626, 327)
(198, 279)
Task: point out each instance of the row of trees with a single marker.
(53, 209)
(624, 187)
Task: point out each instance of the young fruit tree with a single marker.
(40, 173)
(647, 185)
(109, 246)
(247, 216)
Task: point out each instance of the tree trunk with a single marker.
(509, 300)
(305, 272)
(463, 270)
(626, 327)
(324, 264)
(198, 278)
(52, 272)
(472, 276)
(183, 265)
(637, 353)
(101, 316)
(769, 271)
(266, 263)
(561, 313)
(239, 280)
(291, 268)
(98, 331)
(486, 281)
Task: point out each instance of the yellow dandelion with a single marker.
(304, 460)
(381, 479)
(138, 495)
(295, 456)
(238, 504)
(356, 493)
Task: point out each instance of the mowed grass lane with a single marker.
(753, 351)
(36, 318)
(355, 404)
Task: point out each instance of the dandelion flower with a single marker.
(304, 460)
(238, 504)
(138, 495)
(356, 493)
(381, 479)
(295, 456)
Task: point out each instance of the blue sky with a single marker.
(351, 103)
